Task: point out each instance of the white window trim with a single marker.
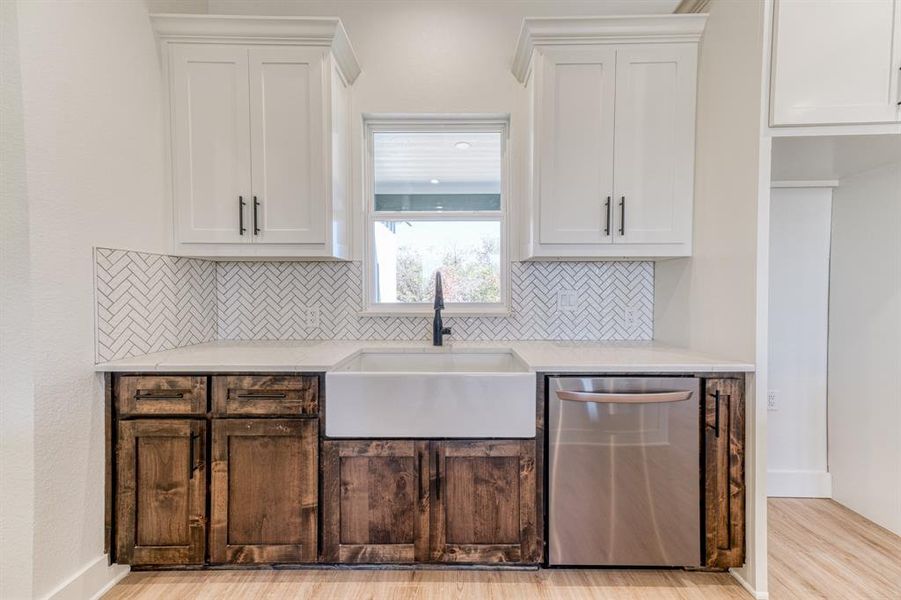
(410, 123)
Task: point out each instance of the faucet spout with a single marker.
(438, 328)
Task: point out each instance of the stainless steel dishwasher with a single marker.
(624, 471)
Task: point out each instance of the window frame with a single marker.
(467, 123)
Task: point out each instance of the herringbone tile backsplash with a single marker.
(148, 302)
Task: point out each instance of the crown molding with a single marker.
(327, 32)
(562, 31)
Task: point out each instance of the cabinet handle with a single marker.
(241, 205)
(256, 205)
(437, 477)
(423, 489)
(192, 455)
(607, 220)
(716, 410)
(622, 216)
(252, 396)
(161, 396)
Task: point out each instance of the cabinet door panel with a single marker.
(835, 61)
(210, 142)
(375, 501)
(724, 477)
(287, 130)
(575, 144)
(264, 492)
(653, 166)
(484, 502)
(161, 492)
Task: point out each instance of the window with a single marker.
(436, 201)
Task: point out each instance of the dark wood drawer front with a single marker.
(152, 395)
(265, 395)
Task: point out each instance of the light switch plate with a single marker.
(567, 300)
(630, 317)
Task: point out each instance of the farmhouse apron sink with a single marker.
(430, 394)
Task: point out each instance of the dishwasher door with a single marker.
(624, 471)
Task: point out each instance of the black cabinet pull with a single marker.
(273, 395)
(158, 396)
(607, 220)
(716, 413)
(622, 216)
(256, 205)
(192, 463)
(437, 477)
(423, 489)
(241, 205)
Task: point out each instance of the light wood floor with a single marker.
(818, 549)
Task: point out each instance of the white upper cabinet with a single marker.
(210, 141)
(836, 62)
(612, 135)
(576, 153)
(259, 143)
(654, 149)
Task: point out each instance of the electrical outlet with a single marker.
(310, 317)
(567, 300)
(771, 400)
(630, 316)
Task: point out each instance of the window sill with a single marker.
(481, 311)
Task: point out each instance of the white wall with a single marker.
(708, 302)
(865, 345)
(94, 171)
(438, 57)
(800, 222)
(16, 382)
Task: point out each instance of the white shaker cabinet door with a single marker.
(210, 142)
(836, 61)
(289, 147)
(654, 150)
(574, 143)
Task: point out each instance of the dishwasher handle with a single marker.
(624, 397)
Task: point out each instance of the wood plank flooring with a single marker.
(818, 549)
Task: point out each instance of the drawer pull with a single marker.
(254, 396)
(159, 396)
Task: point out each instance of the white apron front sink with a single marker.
(430, 394)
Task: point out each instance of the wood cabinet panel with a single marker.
(265, 395)
(153, 395)
(375, 501)
(724, 472)
(264, 493)
(161, 492)
(484, 502)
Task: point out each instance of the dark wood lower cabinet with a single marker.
(724, 472)
(484, 502)
(161, 492)
(405, 501)
(375, 501)
(264, 491)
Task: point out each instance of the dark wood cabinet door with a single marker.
(484, 501)
(264, 491)
(161, 492)
(375, 501)
(724, 472)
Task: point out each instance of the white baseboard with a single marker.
(757, 595)
(94, 580)
(799, 484)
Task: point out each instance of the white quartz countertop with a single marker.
(544, 356)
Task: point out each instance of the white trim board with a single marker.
(92, 581)
(808, 183)
(798, 484)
